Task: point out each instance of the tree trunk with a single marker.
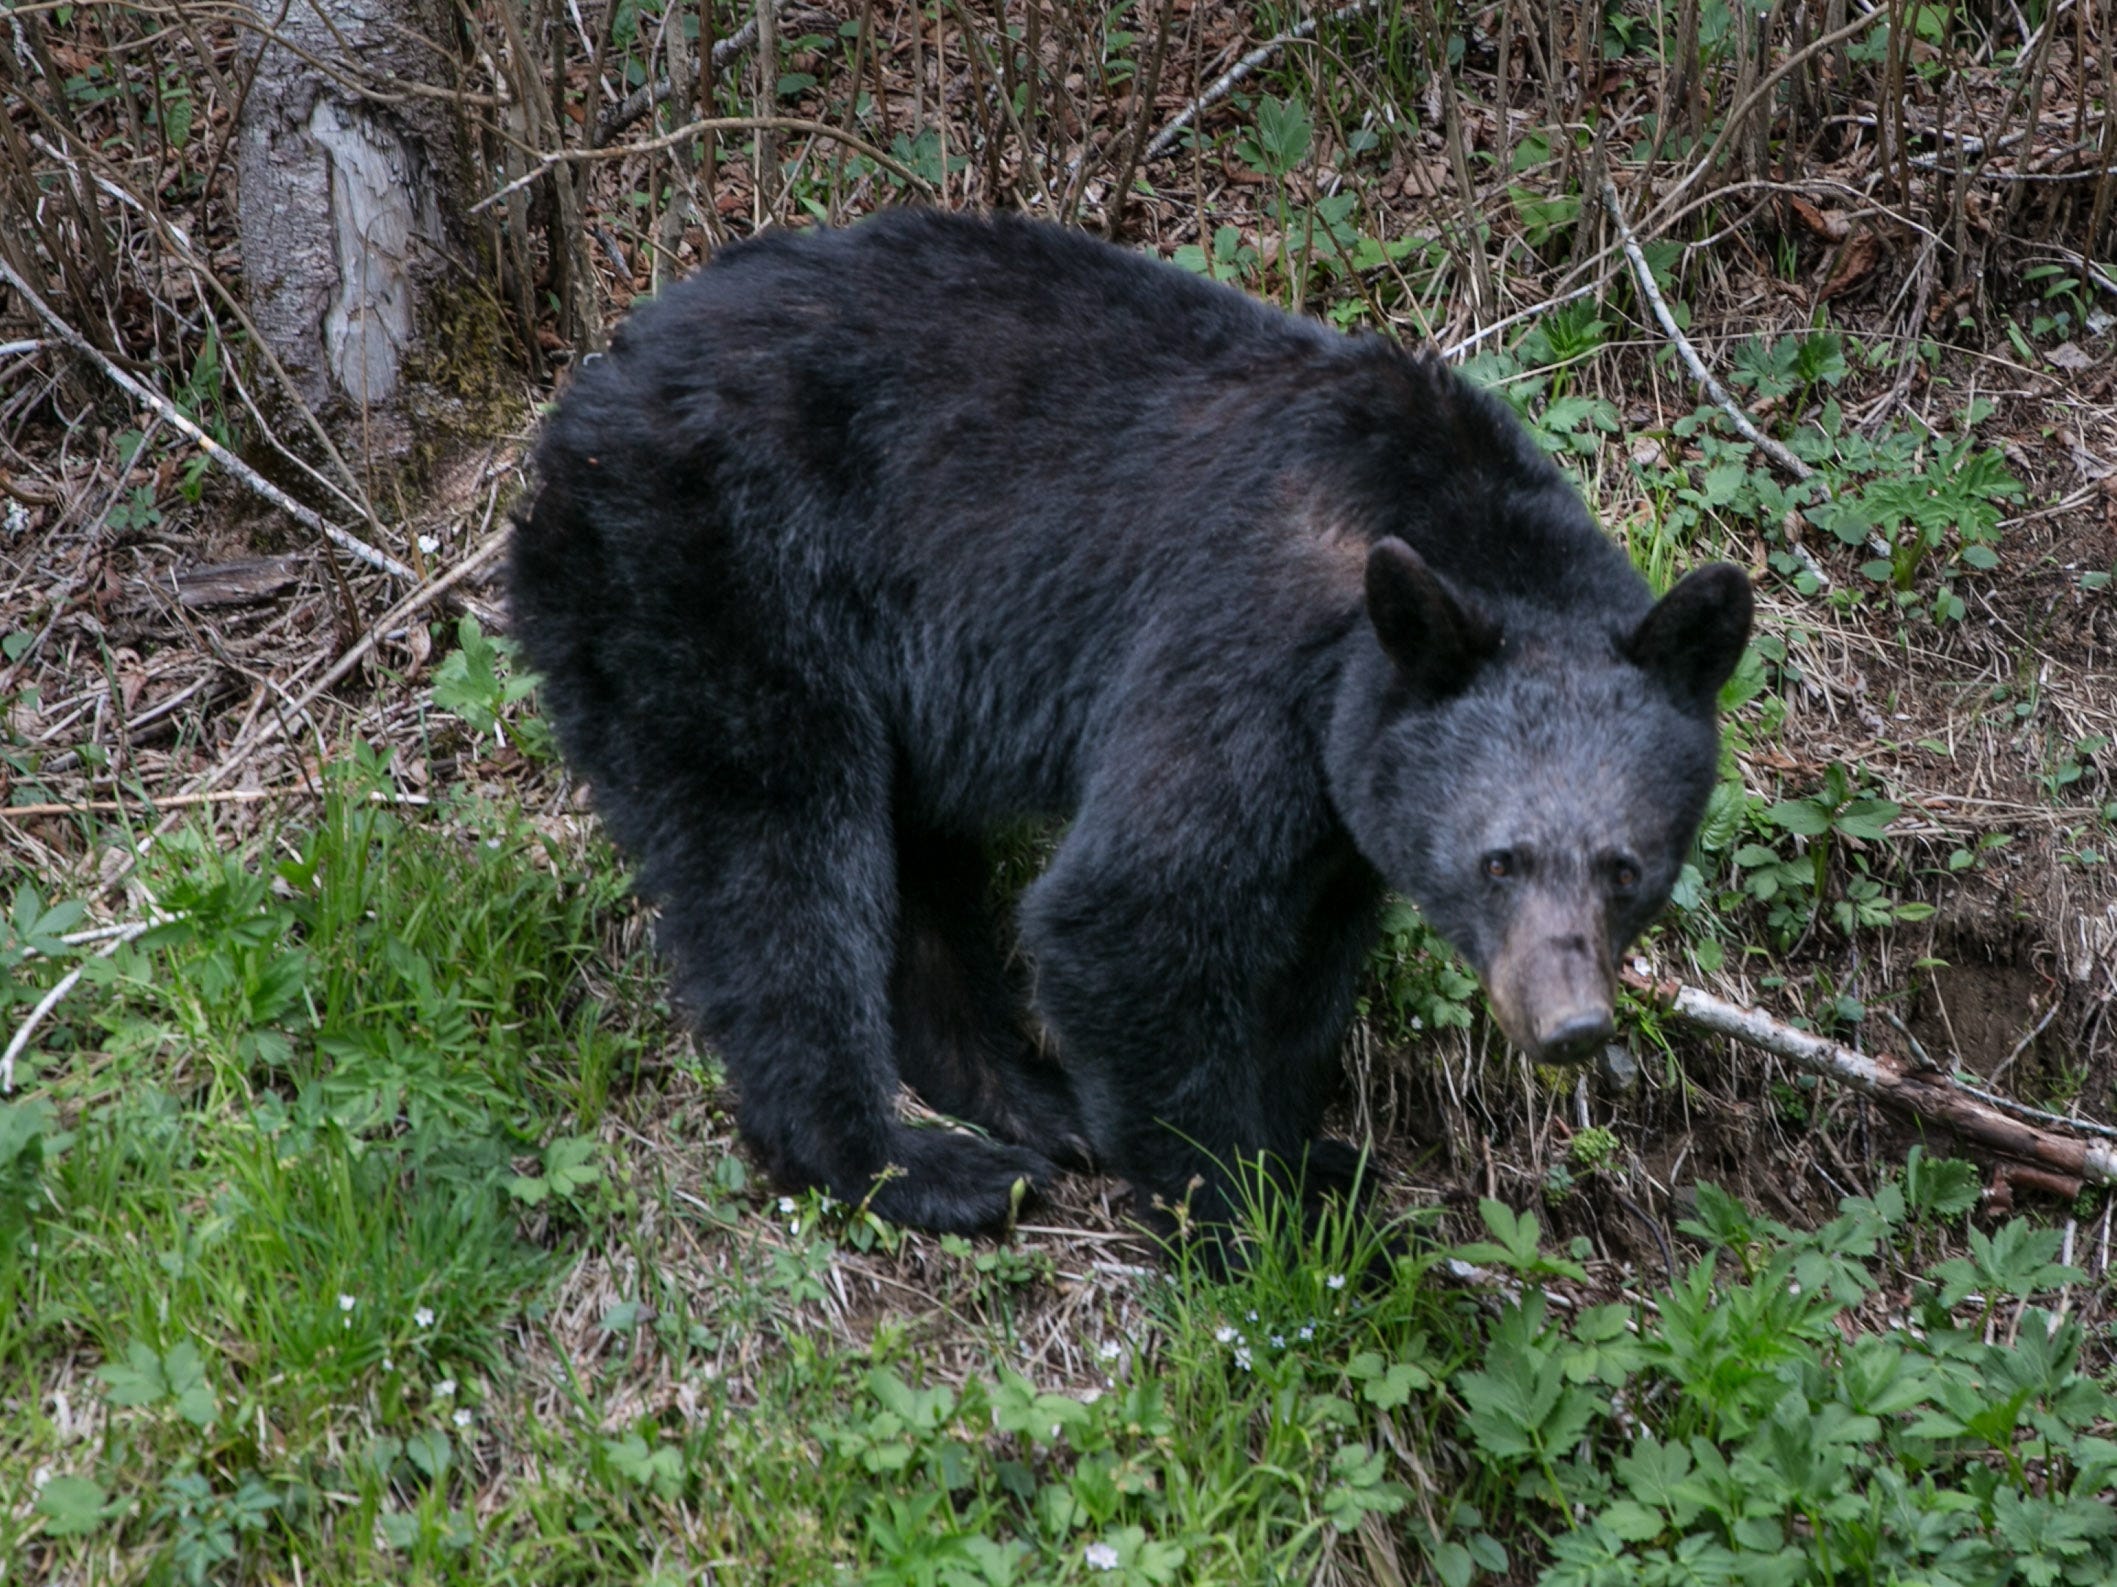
(348, 202)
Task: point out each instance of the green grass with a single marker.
(322, 1247)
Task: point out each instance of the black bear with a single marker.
(861, 545)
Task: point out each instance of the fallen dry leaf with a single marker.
(1854, 263)
(1832, 225)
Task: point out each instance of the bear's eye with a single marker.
(1624, 875)
(1499, 864)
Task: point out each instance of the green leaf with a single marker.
(567, 1164)
(1018, 1408)
(1866, 818)
(1394, 1387)
(1940, 1187)
(1359, 1489)
(429, 1450)
(1633, 1522)
(1802, 816)
(138, 1380)
(72, 1505)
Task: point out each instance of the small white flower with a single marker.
(1278, 1341)
(1417, 1023)
(1253, 1314)
(429, 545)
(793, 1226)
(345, 1303)
(1225, 1334)
(1110, 1350)
(1100, 1556)
(444, 1388)
(1308, 1331)
(1335, 1281)
(786, 1205)
(423, 1317)
(462, 1417)
(388, 1365)
(1242, 1357)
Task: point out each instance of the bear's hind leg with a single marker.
(780, 916)
(960, 1016)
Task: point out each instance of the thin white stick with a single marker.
(690, 130)
(351, 544)
(1456, 350)
(1224, 84)
(247, 744)
(1644, 274)
(1927, 1094)
(644, 98)
(50, 1001)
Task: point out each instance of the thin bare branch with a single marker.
(1925, 1093)
(691, 130)
(345, 540)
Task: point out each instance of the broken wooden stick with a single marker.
(346, 541)
(1924, 1093)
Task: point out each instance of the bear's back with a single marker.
(1000, 481)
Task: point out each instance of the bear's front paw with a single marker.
(956, 1183)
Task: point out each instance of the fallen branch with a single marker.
(1923, 1093)
(351, 544)
(690, 130)
(1707, 381)
(247, 743)
(1224, 84)
(1643, 273)
(645, 97)
(50, 1000)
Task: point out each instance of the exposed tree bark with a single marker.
(349, 200)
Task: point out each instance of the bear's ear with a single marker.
(1437, 638)
(1692, 639)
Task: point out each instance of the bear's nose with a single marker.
(1578, 1035)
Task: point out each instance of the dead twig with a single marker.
(1707, 381)
(690, 130)
(50, 1000)
(1225, 83)
(645, 97)
(247, 743)
(348, 542)
(1924, 1094)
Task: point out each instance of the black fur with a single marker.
(862, 543)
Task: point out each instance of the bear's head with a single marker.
(1531, 780)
